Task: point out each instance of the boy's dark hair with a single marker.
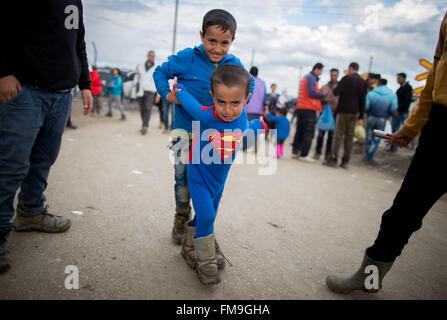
(354, 65)
(94, 67)
(334, 69)
(377, 76)
(221, 18)
(318, 65)
(403, 75)
(383, 82)
(254, 71)
(231, 75)
(282, 111)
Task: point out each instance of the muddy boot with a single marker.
(5, 258)
(188, 249)
(25, 220)
(188, 246)
(220, 257)
(178, 231)
(359, 281)
(206, 267)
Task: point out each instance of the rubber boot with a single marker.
(188, 249)
(206, 267)
(362, 279)
(178, 231)
(5, 258)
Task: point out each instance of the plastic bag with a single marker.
(326, 120)
(360, 133)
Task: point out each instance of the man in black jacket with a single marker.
(351, 107)
(43, 59)
(404, 96)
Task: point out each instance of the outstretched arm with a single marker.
(189, 102)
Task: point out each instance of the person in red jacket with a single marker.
(308, 104)
(96, 89)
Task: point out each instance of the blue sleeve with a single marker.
(170, 69)
(256, 125)
(368, 101)
(311, 85)
(190, 104)
(272, 117)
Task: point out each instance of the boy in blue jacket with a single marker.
(282, 125)
(193, 68)
(214, 147)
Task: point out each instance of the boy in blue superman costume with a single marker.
(215, 145)
(193, 67)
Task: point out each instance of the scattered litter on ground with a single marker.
(79, 213)
(388, 181)
(274, 225)
(353, 176)
(139, 144)
(244, 246)
(93, 208)
(70, 139)
(136, 172)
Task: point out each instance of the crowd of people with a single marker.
(212, 87)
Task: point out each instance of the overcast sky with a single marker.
(288, 36)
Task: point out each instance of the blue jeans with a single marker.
(181, 190)
(166, 106)
(396, 123)
(31, 128)
(372, 142)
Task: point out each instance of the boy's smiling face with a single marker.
(216, 42)
(229, 101)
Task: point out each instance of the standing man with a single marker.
(44, 59)
(351, 107)
(332, 100)
(423, 185)
(256, 105)
(307, 106)
(404, 96)
(146, 90)
(381, 103)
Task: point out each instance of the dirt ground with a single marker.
(283, 233)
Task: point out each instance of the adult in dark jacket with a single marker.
(351, 107)
(44, 59)
(404, 96)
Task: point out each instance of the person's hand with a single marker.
(88, 100)
(396, 114)
(9, 88)
(170, 97)
(399, 139)
(157, 98)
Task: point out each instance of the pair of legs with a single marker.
(305, 130)
(31, 128)
(279, 148)
(396, 123)
(113, 99)
(344, 133)
(205, 205)
(423, 185)
(372, 142)
(320, 141)
(168, 109)
(146, 102)
(96, 104)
